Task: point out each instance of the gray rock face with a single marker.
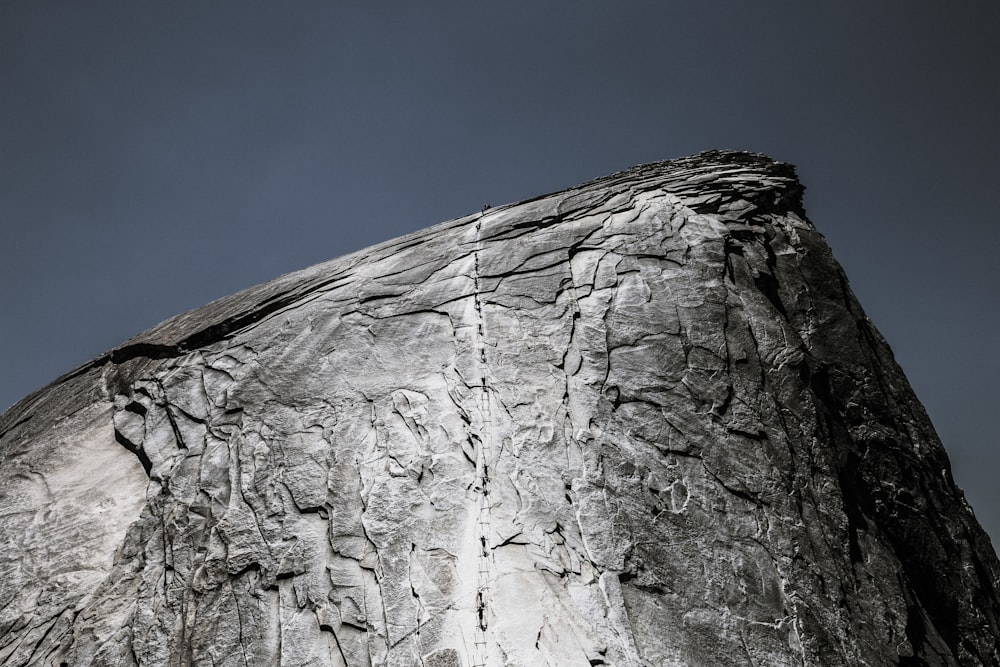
(640, 422)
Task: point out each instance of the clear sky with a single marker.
(157, 155)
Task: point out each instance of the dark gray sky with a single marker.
(155, 156)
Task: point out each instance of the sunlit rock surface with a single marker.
(639, 422)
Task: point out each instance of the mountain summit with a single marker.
(643, 421)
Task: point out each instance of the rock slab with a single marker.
(643, 421)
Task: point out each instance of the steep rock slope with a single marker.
(640, 422)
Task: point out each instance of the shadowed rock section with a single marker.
(640, 422)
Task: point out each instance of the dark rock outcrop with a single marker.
(640, 422)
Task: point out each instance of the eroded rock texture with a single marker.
(639, 422)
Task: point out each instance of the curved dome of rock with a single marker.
(642, 421)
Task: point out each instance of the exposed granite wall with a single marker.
(640, 422)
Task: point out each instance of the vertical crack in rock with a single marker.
(642, 421)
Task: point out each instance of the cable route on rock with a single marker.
(484, 459)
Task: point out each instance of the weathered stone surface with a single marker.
(639, 422)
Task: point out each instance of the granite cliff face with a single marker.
(640, 422)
